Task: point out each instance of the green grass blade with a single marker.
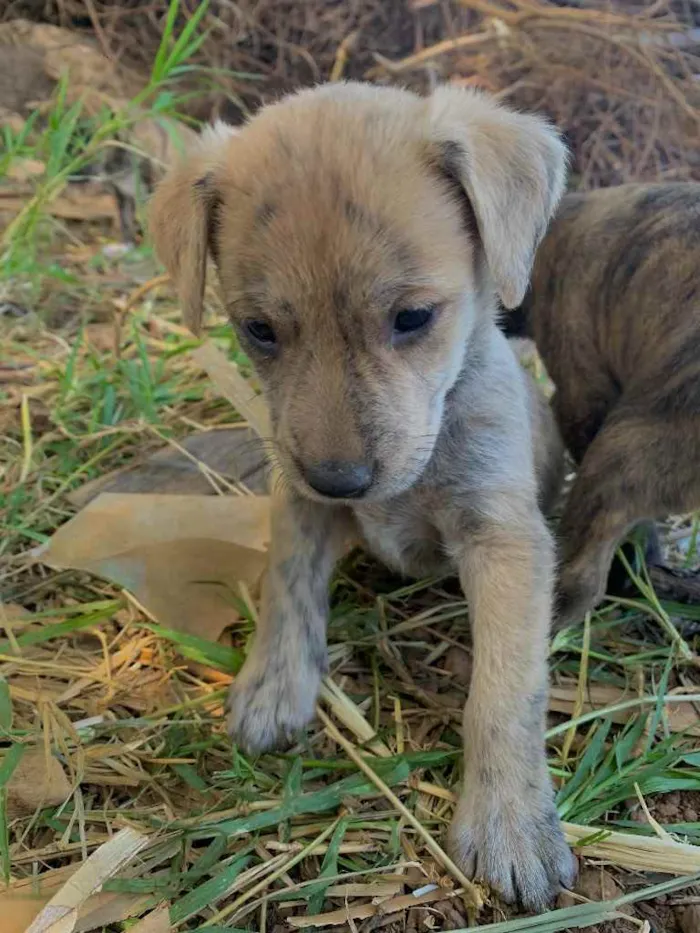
(199, 649)
(329, 867)
(187, 42)
(10, 761)
(320, 801)
(5, 706)
(48, 632)
(585, 768)
(5, 858)
(211, 856)
(189, 776)
(158, 70)
(659, 709)
(8, 766)
(171, 53)
(208, 893)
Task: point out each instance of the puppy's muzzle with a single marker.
(338, 479)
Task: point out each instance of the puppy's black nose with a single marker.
(339, 479)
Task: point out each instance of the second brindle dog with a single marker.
(614, 309)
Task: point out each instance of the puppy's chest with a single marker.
(401, 534)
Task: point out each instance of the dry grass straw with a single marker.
(645, 853)
(619, 78)
(64, 907)
(621, 82)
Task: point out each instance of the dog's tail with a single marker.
(516, 323)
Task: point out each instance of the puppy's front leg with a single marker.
(274, 695)
(506, 829)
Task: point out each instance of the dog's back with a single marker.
(614, 303)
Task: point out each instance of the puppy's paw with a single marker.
(270, 703)
(516, 845)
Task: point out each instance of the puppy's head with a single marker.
(360, 234)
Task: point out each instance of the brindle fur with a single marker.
(614, 309)
(336, 208)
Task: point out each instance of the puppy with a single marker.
(614, 309)
(361, 236)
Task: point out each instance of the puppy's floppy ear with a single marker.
(183, 217)
(512, 168)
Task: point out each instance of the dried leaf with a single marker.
(365, 911)
(101, 336)
(636, 853)
(597, 884)
(12, 120)
(38, 781)
(92, 76)
(11, 612)
(364, 889)
(84, 203)
(458, 662)
(183, 557)
(22, 169)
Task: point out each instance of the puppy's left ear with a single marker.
(512, 168)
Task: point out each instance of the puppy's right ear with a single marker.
(183, 217)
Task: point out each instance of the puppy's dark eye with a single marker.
(412, 319)
(261, 334)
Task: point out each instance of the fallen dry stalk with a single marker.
(636, 853)
(351, 717)
(365, 911)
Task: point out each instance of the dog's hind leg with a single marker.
(646, 535)
(641, 466)
(580, 417)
